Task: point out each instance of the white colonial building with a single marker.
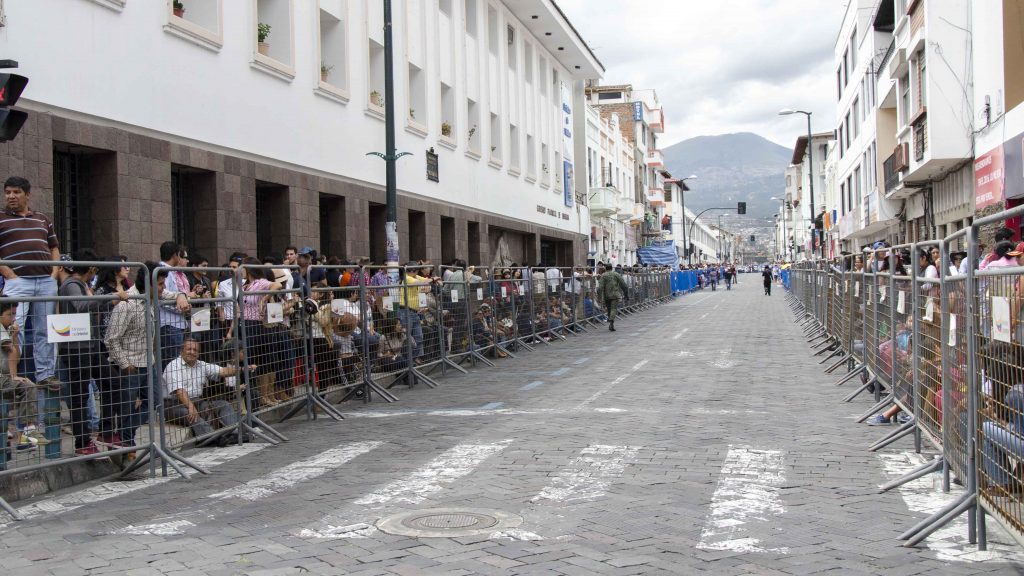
(245, 125)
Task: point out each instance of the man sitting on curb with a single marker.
(184, 380)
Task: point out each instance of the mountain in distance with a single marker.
(731, 168)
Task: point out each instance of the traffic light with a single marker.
(11, 87)
(741, 207)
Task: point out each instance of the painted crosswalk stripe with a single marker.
(747, 496)
(581, 361)
(284, 478)
(561, 371)
(680, 335)
(107, 490)
(589, 475)
(610, 385)
(445, 469)
(492, 406)
(532, 385)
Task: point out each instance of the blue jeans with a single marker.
(413, 327)
(133, 387)
(43, 353)
(998, 441)
(170, 344)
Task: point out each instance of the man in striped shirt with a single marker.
(28, 235)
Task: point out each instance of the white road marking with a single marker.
(445, 469)
(589, 475)
(160, 529)
(704, 316)
(724, 360)
(747, 492)
(284, 478)
(716, 306)
(950, 543)
(515, 534)
(581, 361)
(414, 489)
(107, 490)
(608, 387)
(680, 335)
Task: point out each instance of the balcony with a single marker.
(603, 202)
(637, 216)
(657, 120)
(625, 209)
(655, 159)
(656, 197)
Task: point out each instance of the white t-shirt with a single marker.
(225, 290)
(181, 376)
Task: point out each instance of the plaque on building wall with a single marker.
(433, 172)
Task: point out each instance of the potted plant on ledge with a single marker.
(376, 99)
(446, 130)
(325, 71)
(262, 31)
(179, 9)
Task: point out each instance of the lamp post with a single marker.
(810, 168)
(782, 216)
(682, 201)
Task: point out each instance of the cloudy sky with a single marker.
(720, 66)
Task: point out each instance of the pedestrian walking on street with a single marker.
(767, 275)
(610, 289)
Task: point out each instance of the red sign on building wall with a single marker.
(988, 178)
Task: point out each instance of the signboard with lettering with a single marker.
(638, 111)
(433, 171)
(988, 178)
(569, 183)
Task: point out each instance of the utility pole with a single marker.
(390, 155)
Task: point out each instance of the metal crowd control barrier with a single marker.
(57, 334)
(949, 348)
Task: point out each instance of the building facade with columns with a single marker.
(208, 133)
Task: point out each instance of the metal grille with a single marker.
(182, 213)
(66, 196)
(264, 223)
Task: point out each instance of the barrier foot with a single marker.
(902, 432)
(982, 530)
(10, 510)
(263, 426)
(416, 376)
(478, 357)
(245, 427)
(852, 374)
(872, 380)
(838, 363)
(372, 387)
(876, 409)
(505, 350)
(315, 401)
(823, 344)
(450, 364)
(837, 351)
(922, 470)
(172, 458)
(924, 529)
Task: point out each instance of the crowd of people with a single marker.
(209, 332)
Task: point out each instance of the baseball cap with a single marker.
(306, 250)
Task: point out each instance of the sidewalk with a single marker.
(702, 437)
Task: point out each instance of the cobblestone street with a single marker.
(702, 437)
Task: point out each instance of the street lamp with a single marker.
(682, 202)
(782, 216)
(810, 167)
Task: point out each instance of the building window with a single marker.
(922, 81)
(513, 148)
(842, 198)
(853, 49)
(182, 211)
(470, 10)
(495, 138)
(531, 157)
(275, 53)
(473, 135)
(856, 118)
(904, 110)
(333, 64)
(198, 22)
(67, 203)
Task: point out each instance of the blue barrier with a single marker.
(684, 281)
(785, 279)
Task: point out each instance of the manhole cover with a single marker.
(448, 523)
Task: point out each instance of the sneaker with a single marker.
(111, 439)
(904, 418)
(87, 450)
(25, 442)
(37, 435)
(878, 420)
(52, 384)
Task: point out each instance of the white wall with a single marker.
(124, 68)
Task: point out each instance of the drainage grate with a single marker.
(448, 523)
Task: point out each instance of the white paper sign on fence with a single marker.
(387, 303)
(504, 292)
(856, 289)
(952, 329)
(929, 310)
(881, 293)
(338, 306)
(479, 293)
(422, 300)
(1001, 319)
(275, 313)
(901, 302)
(200, 320)
(455, 297)
(67, 328)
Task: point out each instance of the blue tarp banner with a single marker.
(658, 254)
(685, 281)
